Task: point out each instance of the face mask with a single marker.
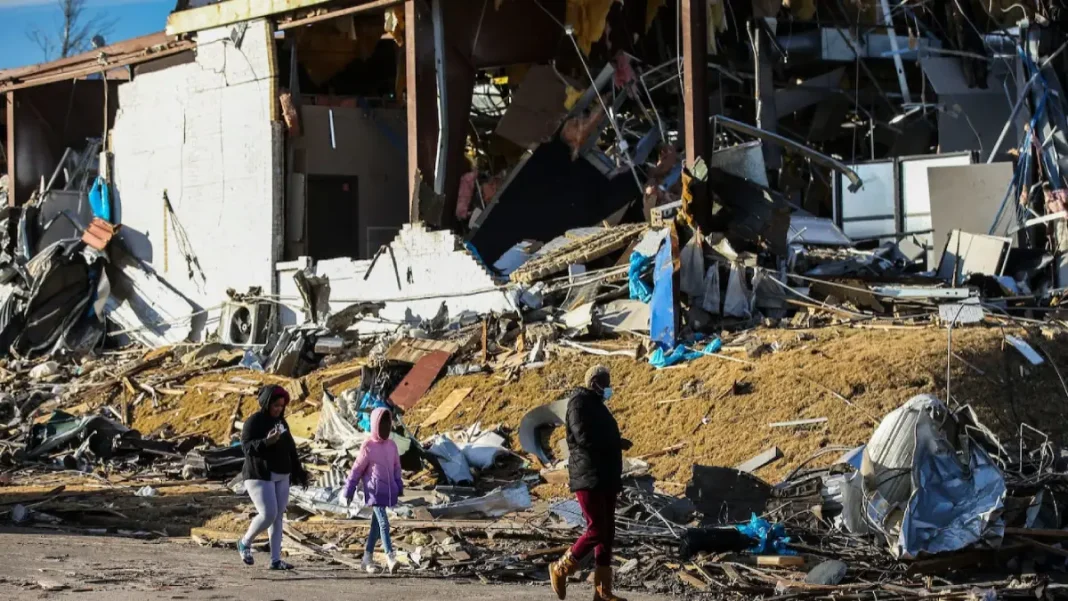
(607, 393)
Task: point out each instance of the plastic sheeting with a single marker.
(500, 502)
(681, 354)
(952, 505)
(692, 272)
(945, 504)
(712, 299)
(100, 199)
(770, 538)
(334, 429)
(663, 321)
(452, 460)
(736, 303)
(639, 290)
(328, 500)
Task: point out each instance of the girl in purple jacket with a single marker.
(378, 472)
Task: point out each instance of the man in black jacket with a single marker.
(596, 470)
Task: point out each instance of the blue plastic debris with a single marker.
(681, 354)
(368, 403)
(663, 308)
(100, 199)
(639, 290)
(771, 538)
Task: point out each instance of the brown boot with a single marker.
(559, 571)
(602, 585)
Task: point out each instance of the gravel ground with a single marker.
(57, 566)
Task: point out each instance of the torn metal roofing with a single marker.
(119, 54)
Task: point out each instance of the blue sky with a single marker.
(17, 17)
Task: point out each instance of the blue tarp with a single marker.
(771, 538)
(663, 319)
(682, 353)
(368, 403)
(100, 199)
(639, 290)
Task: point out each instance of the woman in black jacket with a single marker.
(271, 465)
(595, 466)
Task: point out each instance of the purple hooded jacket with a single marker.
(377, 468)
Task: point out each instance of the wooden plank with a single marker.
(448, 406)
(411, 350)
(781, 561)
(760, 460)
(693, 581)
(1037, 532)
(419, 380)
(341, 12)
(662, 452)
(231, 11)
(1042, 546)
(799, 422)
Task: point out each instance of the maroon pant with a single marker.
(599, 509)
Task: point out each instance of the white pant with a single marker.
(270, 499)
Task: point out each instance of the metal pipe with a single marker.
(818, 157)
(443, 101)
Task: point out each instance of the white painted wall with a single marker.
(203, 132)
(433, 267)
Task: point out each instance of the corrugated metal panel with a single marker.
(887, 464)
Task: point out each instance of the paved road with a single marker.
(118, 569)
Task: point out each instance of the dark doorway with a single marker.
(333, 216)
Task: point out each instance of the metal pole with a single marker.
(899, 65)
(695, 75)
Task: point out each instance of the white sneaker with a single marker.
(391, 563)
(368, 564)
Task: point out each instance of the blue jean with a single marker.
(379, 528)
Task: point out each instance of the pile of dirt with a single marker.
(719, 407)
(801, 377)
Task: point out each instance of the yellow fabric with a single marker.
(394, 24)
(588, 18)
(573, 96)
(652, 7)
(802, 10)
(327, 48)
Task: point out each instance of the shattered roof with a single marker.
(119, 54)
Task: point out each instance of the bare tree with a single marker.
(77, 30)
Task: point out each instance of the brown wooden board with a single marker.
(419, 380)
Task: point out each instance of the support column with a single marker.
(10, 149)
(421, 100)
(695, 72)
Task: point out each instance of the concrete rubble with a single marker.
(320, 197)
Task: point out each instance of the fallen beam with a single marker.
(341, 12)
(758, 461)
(231, 11)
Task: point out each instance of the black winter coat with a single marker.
(261, 458)
(594, 443)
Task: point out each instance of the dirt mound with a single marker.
(875, 371)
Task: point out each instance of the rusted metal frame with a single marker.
(340, 12)
(10, 102)
(422, 115)
(140, 44)
(96, 67)
(695, 76)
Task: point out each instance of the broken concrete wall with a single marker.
(432, 267)
(368, 144)
(203, 132)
